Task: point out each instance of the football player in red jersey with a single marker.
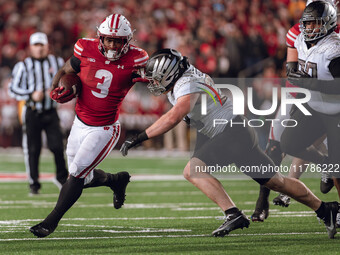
(107, 67)
(273, 150)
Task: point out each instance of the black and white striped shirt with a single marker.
(35, 75)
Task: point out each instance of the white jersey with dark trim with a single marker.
(315, 62)
(217, 106)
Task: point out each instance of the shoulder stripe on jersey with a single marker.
(141, 63)
(88, 39)
(290, 33)
(290, 45)
(79, 45)
(78, 53)
(290, 38)
(135, 48)
(290, 41)
(141, 59)
(78, 48)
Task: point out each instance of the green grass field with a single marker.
(159, 217)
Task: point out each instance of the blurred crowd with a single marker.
(220, 37)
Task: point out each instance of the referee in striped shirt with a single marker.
(31, 81)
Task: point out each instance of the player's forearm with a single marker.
(161, 126)
(57, 77)
(67, 68)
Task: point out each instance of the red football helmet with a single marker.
(114, 26)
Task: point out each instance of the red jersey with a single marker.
(105, 83)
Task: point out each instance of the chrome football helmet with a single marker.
(332, 2)
(163, 69)
(325, 17)
(114, 26)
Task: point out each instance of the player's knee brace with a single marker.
(273, 150)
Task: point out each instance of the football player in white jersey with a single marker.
(318, 49)
(317, 152)
(169, 72)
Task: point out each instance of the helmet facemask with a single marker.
(314, 33)
(116, 53)
(155, 87)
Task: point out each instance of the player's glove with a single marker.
(132, 142)
(60, 95)
(139, 76)
(300, 79)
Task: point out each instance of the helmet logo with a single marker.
(114, 23)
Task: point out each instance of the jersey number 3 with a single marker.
(104, 87)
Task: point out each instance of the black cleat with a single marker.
(233, 221)
(42, 230)
(330, 220)
(326, 183)
(282, 200)
(34, 191)
(259, 215)
(119, 186)
(261, 209)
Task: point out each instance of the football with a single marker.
(70, 81)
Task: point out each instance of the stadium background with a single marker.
(163, 212)
(231, 38)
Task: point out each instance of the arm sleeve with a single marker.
(334, 67)
(75, 63)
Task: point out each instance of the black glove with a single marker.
(290, 66)
(299, 78)
(132, 142)
(139, 76)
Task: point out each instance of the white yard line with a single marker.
(273, 214)
(154, 236)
